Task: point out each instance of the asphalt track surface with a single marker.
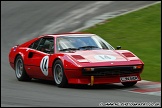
(23, 20)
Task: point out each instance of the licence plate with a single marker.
(129, 78)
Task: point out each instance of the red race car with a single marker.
(74, 58)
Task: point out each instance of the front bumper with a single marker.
(98, 80)
(101, 75)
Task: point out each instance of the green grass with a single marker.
(139, 32)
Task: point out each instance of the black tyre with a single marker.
(129, 84)
(20, 72)
(59, 75)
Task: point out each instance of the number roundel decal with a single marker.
(44, 65)
(105, 57)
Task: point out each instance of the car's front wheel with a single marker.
(20, 70)
(129, 84)
(59, 75)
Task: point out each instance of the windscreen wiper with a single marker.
(88, 47)
(68, 49)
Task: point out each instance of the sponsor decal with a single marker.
(44, 65)
(104, 57)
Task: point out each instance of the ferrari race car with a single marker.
(74, 58)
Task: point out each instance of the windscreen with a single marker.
(82, 42)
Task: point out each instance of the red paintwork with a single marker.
(73, 63)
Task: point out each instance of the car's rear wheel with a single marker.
(20, 70)
(59, 75)
(129, 84)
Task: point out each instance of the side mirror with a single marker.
(118, 47)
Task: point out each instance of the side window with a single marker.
(47, 46)
(35, 44)
(40, 45)
(44, 44)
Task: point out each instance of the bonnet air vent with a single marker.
(127, 54)
(78, 57)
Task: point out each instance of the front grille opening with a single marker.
(113, 71)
